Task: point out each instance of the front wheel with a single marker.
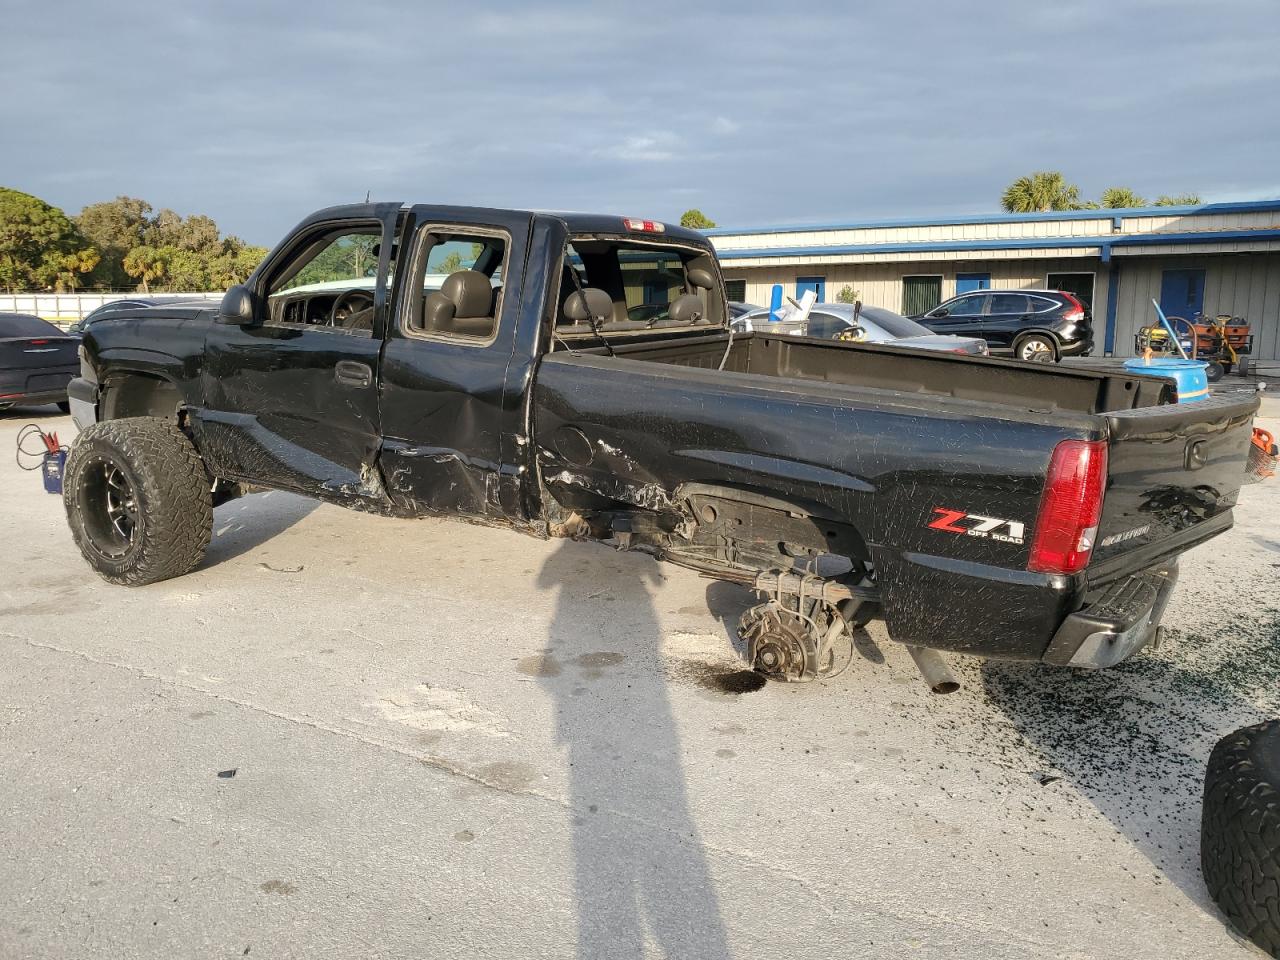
(1037, 349)
(137, 500)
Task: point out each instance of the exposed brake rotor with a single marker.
(782, 645)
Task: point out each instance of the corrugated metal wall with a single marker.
(880, 285)
(1244, 286)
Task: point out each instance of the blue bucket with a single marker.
(1189, 375)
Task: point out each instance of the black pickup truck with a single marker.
(485, 364)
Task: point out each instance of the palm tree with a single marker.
(145, 263)
(1179, 200)
(1117, 198)
(1041, 192)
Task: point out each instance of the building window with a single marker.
(920, 294)
(1079, 284)
(736, 289)
(969, 282)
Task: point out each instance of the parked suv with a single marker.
(1044, 325)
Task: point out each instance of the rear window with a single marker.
(645, 283)
(21, 325)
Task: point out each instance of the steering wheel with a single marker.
(342, 311)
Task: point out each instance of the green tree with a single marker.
(1041, 192)
(146, 264)
(115, 227)
(72, 267)
(1178, 200)
(1117, 198)
(234, 264)
(184, 269)
(39, 245)
(847, 294)
(451, 263)
(695, 219)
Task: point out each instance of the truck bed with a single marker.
(1039, 387)
(880, 441)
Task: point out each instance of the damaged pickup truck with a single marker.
(488, 364)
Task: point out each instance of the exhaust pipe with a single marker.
(934, 669)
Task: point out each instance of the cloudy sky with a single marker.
(258, 112)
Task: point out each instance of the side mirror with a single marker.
(236, 307)
(942, 312)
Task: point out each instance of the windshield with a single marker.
(650, 287)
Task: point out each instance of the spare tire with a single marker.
(1240, 831)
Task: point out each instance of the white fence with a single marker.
(70, 307)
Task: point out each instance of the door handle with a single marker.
(349, 373)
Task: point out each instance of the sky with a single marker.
(256, 113)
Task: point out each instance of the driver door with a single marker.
(291, 399)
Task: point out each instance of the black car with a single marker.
(37, 361)
(1044, 325)
(98, 313)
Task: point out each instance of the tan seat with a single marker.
(463, 306)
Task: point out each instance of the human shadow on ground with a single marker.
(1135, 739)
(640, 873)
(247, 522)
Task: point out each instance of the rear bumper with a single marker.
(16, 387)
(1114, 624)
(1078, 348)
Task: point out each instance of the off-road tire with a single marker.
(174, 513)
(1240, 832)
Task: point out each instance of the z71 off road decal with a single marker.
(976, 525)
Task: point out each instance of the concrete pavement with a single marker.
(347, 736)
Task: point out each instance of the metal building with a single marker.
(1212, 258)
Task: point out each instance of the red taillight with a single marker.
(1070, 507)
(37, 343)
(1076, 313)
(644, 226)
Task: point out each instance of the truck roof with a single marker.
(578, 223)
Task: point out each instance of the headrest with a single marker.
(591, 304)
(470, 293)
(701, 272)
(686, 309)
(437, 312)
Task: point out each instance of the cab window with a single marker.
(329, 283)
(459, 282)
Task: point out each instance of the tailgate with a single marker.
(1172, 468)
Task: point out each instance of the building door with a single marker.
(969, 282)
(920, 294)
(1079, 285)
(1182, 293)
(817, 284)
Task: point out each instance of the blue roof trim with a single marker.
(1039, 243)
(1244, 206)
